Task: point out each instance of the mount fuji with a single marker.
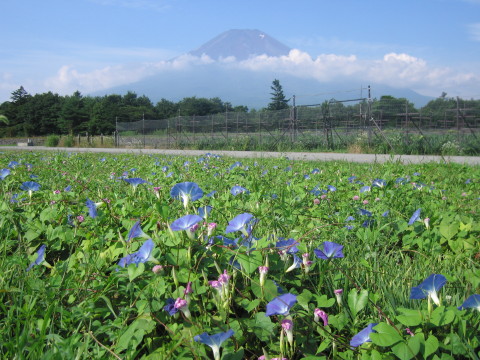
(225, 67)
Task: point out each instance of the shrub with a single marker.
(52, 141)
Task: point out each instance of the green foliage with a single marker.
(52, 141)
(79, 303)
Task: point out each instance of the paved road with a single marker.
(361, 158)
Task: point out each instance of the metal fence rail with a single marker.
(329, 125)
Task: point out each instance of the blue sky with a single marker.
(61, 46)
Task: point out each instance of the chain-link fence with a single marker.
(354, 125)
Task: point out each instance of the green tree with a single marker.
(279, 101)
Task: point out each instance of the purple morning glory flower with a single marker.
(4, 173)
(429, 288)
(473, 302)
(185, 222)
(415, 217)
(236, 190)
(92, 208)
(281, 305)
(239, 223)
(186, 191)
(363, 336)
(40, 257)
(330, 250)
(135, 231)
(288, 246)
(214, 341)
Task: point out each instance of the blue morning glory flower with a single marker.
(238, 190)
(68, 188)
(281, 305)
(385, 214)
(143, 255)
(315, 171)
(428, 288)
(136, 231)
(330, 250)
(364, 212)
(170, 307)
(415, 217)
(92, 208)
(135, 181)
(331, 188)
(364, 189)
(473, 302)
(317, 191)
(204, 211)
(4, 173)
(306, 177)
(30, 186)
(288, 246)
(40, 257)
(214, 341)
(185, 222)
(239, 223)
(297, 262)
(363, 336)
(379, 183)
(350, 218)
(13, 164)
(234, 165)
(186, 191)
(401, 181)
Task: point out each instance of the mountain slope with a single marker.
(241, 44)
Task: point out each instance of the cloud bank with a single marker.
(398, 70)
(394, 69)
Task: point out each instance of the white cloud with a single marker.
(393, 69)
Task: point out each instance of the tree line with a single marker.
(49, 113)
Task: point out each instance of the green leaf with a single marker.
(431, 345)
(407, 351)
(304, 298)
(238, 355)
(385, 335)
(262, 326)
(410, 317)
(323, 301)
(135, 271)
(250, 262)
(250, 305)
(447, 229)
(270, 290)
(441, 316)
(357, 301)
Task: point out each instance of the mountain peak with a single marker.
(242, 44)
